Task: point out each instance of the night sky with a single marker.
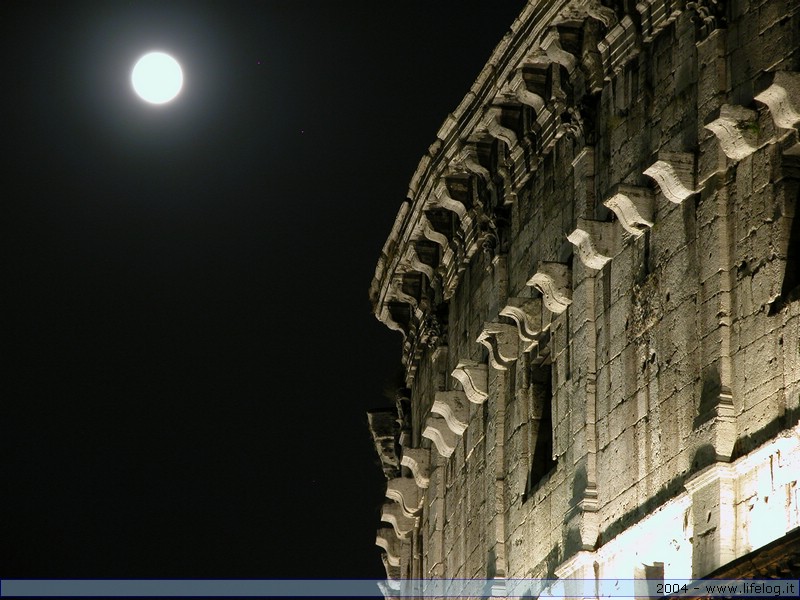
(189, 346)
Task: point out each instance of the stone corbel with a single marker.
(471, 162)
(437, 431)
(389, 320)
(551, 44)
(634, 208)
(783, 99)
(736, 131)
(405, 492)
(393, 514)
(428, 231)
(527, 314)
(496, 129)
(674, 173)
(446, 253)
(387, 539)
(418, 460)
(397, 293)
(519, 87)
(392, 583)
(454, 408)
(416, 264)
(473, 377)
(442, 198)
(554, 281)
(596, 242)
(502, 343)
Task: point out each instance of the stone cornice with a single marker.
(530, 34)
(486, 149)
(507, 83)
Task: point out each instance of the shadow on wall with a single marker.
(745, 445)
(709, 396)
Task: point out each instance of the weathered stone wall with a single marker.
(595, 276)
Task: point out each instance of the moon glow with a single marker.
(157, 78)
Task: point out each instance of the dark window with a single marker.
(540, 426)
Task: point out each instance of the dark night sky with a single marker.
(189, 347)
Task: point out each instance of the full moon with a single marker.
(157, 78)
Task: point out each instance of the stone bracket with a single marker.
(405, 492)
(418, 460)
(519, 87)
(674, 173)
(527, 314)
(551, 44)
(417, 264)
(473, 377)
(428, 231)
(554, 281)
(442, 198)
(496, 129)
(387, 319)
(392, 583)
(396, 292)
(386, 538)
(736, 131)
(783, 99)
(597, 242)
(634, 207)
(393, 514)
(469, 157)
(437, 431)
(502, 342)
(454, 408)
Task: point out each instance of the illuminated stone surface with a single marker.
(651, 363)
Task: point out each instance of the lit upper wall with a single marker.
(423, 258)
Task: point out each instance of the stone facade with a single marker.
(596, 276)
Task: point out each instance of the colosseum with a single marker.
(596, 277)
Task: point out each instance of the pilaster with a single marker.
(713, 517)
